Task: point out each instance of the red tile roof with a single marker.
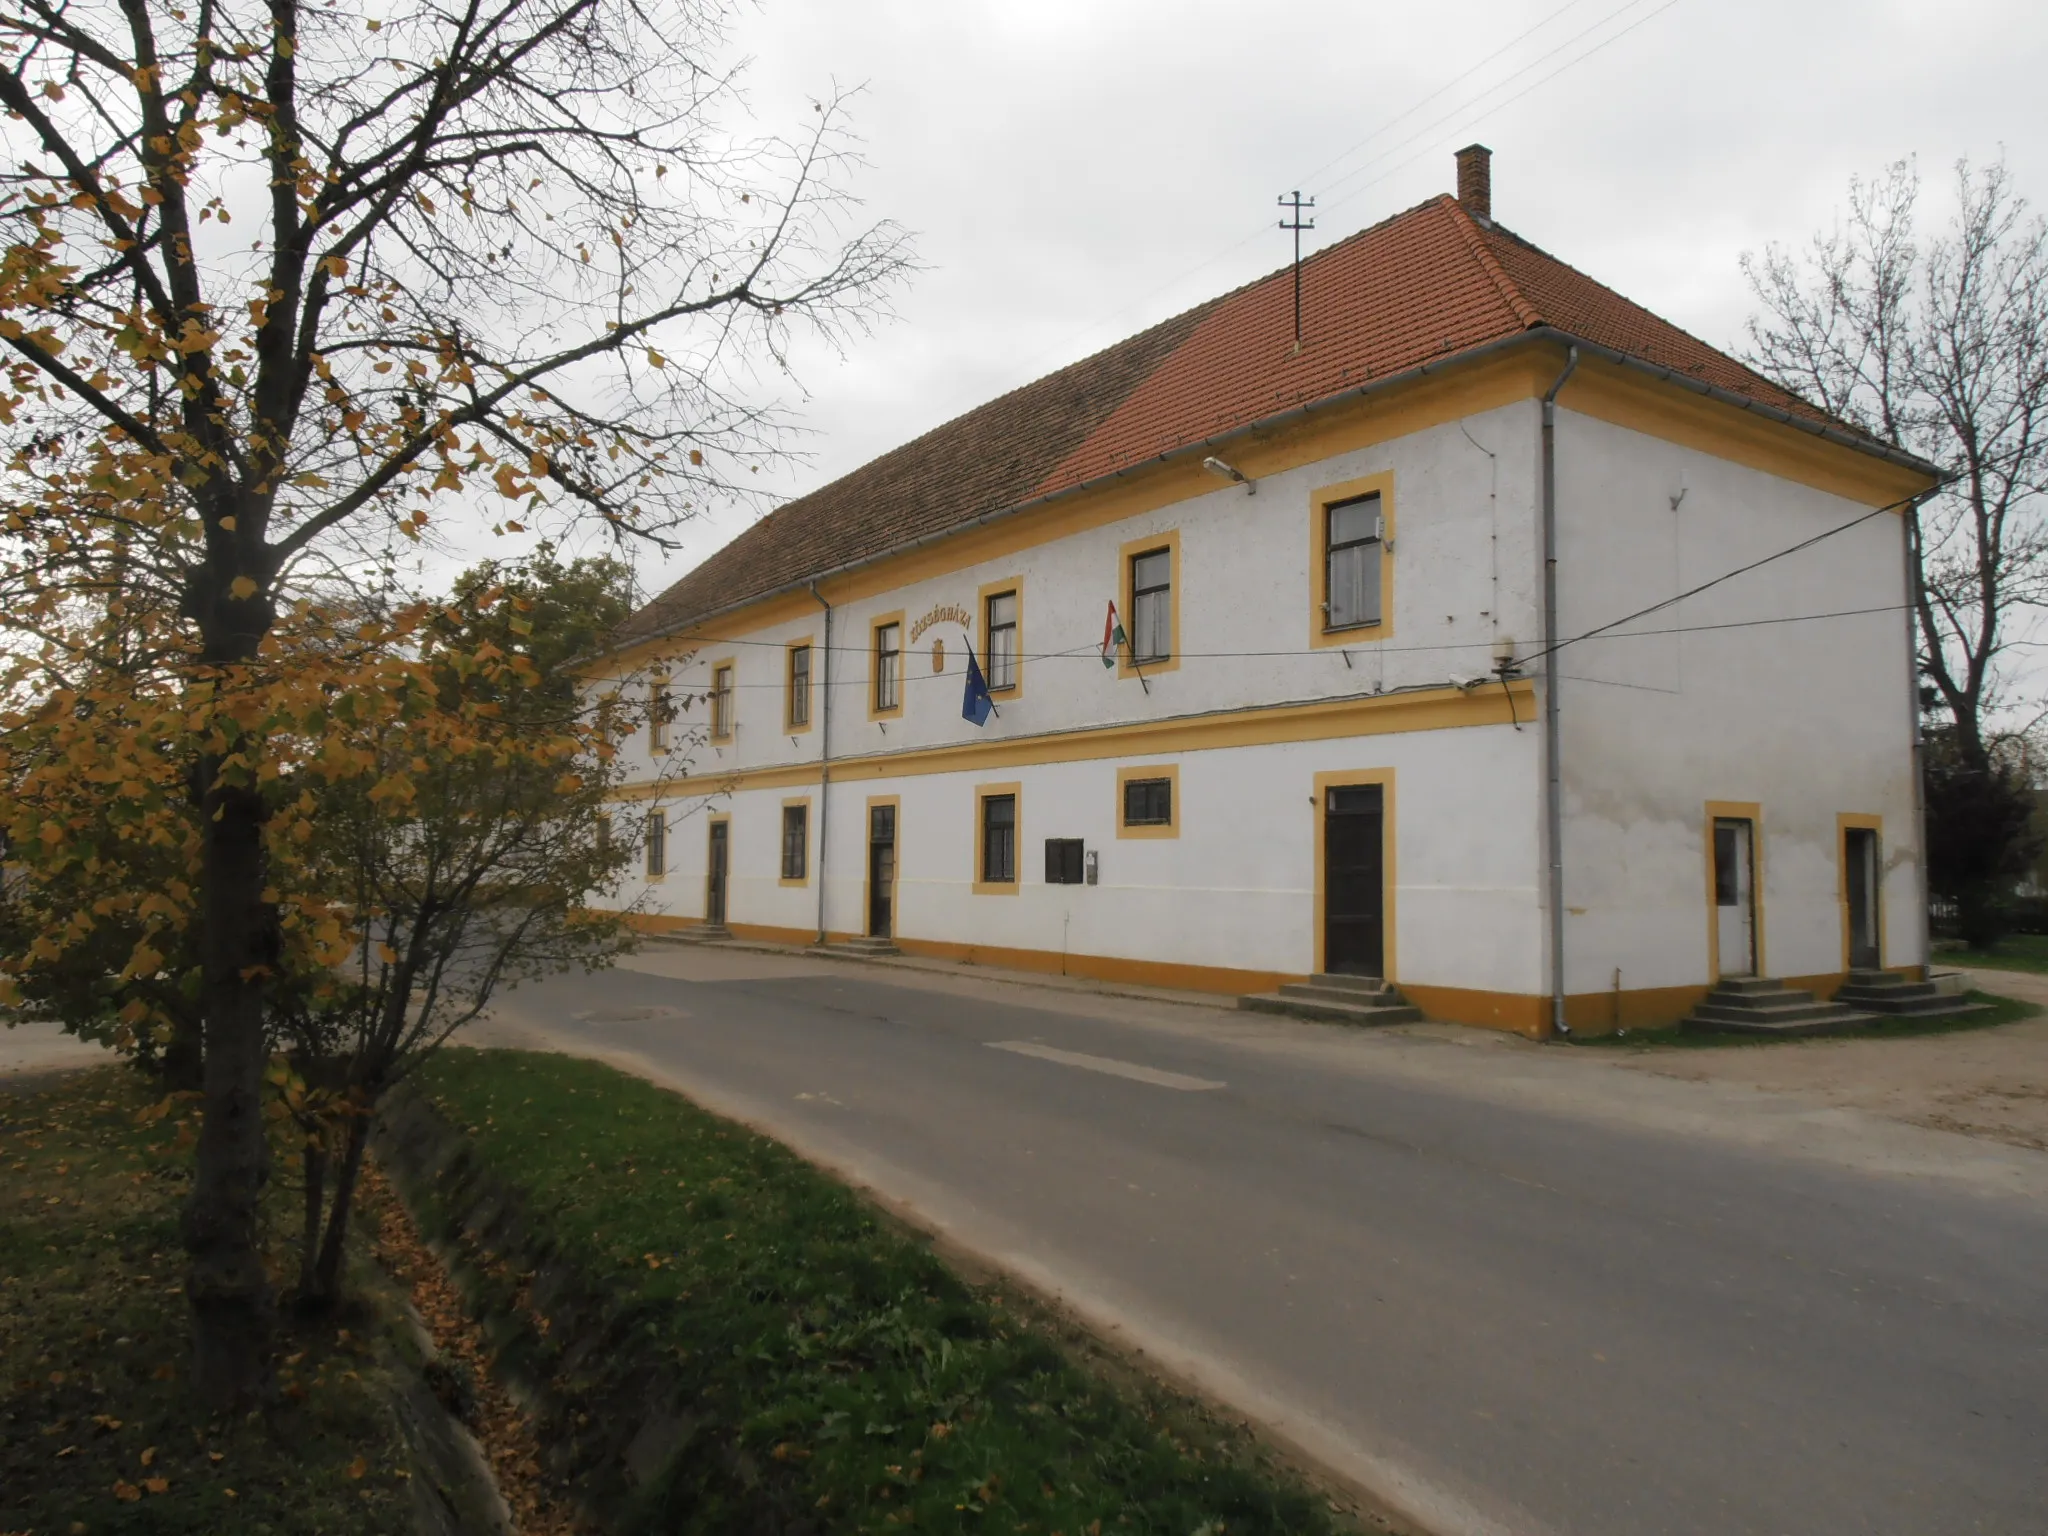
(1421, 287)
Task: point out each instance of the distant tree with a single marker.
(1938, 343)
(1982, 836)
(279, 279)
(551, 612)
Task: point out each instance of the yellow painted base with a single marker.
(1588, 1013)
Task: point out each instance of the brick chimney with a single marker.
(1475, 181)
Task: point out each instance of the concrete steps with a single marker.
(858, 949)
(1332, 999)
(700, 933)
(1761, 1005)
(1891, 994)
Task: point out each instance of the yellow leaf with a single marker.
(358, 1468)
(387, 954)
(374, 26)
(656, 358)
(157, 1484)
(242, 586)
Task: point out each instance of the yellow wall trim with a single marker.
(1522, 1013)
(1624, 398)
(1618, 395)
(1432, 709)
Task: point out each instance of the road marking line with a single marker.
(1136, 1073)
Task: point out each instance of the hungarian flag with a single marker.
(1112, 636)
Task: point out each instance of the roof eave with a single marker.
(1535, 334)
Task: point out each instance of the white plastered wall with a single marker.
(1807, 719)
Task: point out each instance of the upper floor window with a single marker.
(799, 711)
(888, 668)
(660, 711)
(721, 702)
(1353, 546)
(999, 624)
(1152, 605)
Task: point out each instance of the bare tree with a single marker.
(1938, 344)
(278, 275)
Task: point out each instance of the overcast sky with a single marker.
(1075, 170)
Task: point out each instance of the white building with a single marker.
(1307, 757)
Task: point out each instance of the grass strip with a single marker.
(97, 1431)
(837, 1375)
(2014, 952)
(1996, 1011)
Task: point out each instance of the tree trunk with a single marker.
(225, 1282)
(316, 1192)
(327, 1278)
(184, 1063)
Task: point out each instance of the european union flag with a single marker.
(977, 705)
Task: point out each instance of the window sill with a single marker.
(1350, 629)
(996, 887)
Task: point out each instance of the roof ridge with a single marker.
(1468, 229)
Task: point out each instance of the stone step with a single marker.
(1348, 982)
(1783, 1013)
(1761, 1002)
(1749, 984)
(859, 948)
(1919, 1001)
(702, 933)
(1332, 1012)
(1734, 1022)
(1318, 991)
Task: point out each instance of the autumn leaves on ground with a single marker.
(840, 1378)
(97, 1429)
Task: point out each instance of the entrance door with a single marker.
(1859, 874)
(1354, 884)
(1735, 894)
(714, 890)
(881, 870)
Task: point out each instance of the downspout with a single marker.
(824, 757)
(1925, 925)
(1553, 757)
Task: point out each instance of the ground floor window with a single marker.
(999, 839)
(795, 832)
(657, 844)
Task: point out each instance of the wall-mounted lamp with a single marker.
(1230, 472)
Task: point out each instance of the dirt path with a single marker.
(1991, 1083)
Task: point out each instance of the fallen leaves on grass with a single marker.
(539, 1506)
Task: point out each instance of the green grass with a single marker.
(97, 1434)
(1998, 1010)
(2014, 952)
(847, 1377)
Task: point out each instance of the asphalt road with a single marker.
(1509, 1291)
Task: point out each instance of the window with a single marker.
(604, 833)
(721, 702)
(795, 832)
(1352, 549)
(1152, 605)
(999, 664)
(999, 839)
(888, 668)
(1148, 802)
(607, 720)
(1147, 797)
(660, 711)
(657, 844)
(1063, 860)
(799, 686)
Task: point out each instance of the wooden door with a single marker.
(881, 870)
(1860, 876)
(1735, 894)
(714, 890)
(1354, 881)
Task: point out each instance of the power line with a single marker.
(1090, 653)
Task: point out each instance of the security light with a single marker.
(1216, 466)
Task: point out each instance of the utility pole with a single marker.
(1294, 203)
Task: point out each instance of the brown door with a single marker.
(714, 895)
(1859, 872)
(881, 870)
(1354, 881)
